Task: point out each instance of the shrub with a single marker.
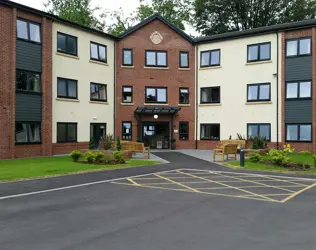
(119, 156)
(108, 141)
(75, 155)
(98, 156)
(255, 158)
(273, 152)
(314, 158)
(288, 149)
(258, 142)
(118, 144)
(92, 144)
(305, 152)
(89, 156)
(279, 157)
(240, 137)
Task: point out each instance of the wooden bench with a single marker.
(136, 147)
(240, 143)
(227, 149)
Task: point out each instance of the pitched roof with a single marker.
(56, 18)
(162, 19)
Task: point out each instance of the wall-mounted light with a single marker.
(155, 116)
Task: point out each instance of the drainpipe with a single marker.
(277, 90)
(196, 95)
(114, 103)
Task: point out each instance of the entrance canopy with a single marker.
(147, 110)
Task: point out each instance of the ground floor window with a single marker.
(66, 132)
(263, 129)
(298, 132)
(210, 131)
(27, 132)
(127, 131)
(184, 131)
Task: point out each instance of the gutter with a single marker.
(277, 90)
(114, 87)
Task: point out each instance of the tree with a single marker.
(121, 22)
(78, 11)
(219, 16)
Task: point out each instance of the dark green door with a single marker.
(97, 132)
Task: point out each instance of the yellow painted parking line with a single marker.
(246, 187)
(174, 189)
(282, 180)
(165, 183)
(258, 183)
(268, 195)
(182, 185)
(239, 189)
(298, 192)
(134, 182)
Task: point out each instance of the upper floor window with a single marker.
(98, 52)
(28, 81)
(184, 59)
(67, 44)
(210, 95)
(66, 132)
(156, 95)
(67, 88)
(127, 57)
(298, 132)
(210, 58)
(27, 132)
(184, 96)
(156, 58)
(298, 47)
(259, 92)
(127, 94)
(259, 52)
(299, 90)
(263, 129)
(28, 31)
(184, 131)
(98, 92)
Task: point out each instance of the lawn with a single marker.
(298, 158)
(50, 166)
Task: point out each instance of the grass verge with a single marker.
(54, 166)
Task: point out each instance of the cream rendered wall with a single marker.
(232, 76)
(83, 112)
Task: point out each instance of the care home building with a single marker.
(62, 84)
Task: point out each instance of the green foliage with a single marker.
(314, 158)
(98, 156)
(92, 144)
(118, 144)
(139, 140)
(230, 137)
(288, 149)
(305, 152)
(119, 156)
(255, 157)
(279, 157)
(258, 142)
(240, 137)
(75, 155)
(89, 156)
(108, 141)
(173, 140)
(78, 11)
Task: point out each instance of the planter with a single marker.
(173, 146)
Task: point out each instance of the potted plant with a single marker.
(173, 143)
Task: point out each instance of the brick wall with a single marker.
(172, 78)
(66, 148)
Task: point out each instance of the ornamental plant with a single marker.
(118, 144)
(98, 156)
(288, 149)
(255, 158)
(89, 156)
(119, 156)
(75, 155)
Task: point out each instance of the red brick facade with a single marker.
(172, 77)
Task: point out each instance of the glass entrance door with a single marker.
(156, 135)
(97, 131)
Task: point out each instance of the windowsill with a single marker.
(161, 68)
(66, 142)
(210, 104)
(300, 141)
(127, 104)
(98, 62)
(99, 102)
(185, 69)
(258, 103)
(184, 105)
(156, 104)
(259, 62)
(66, 100)
(67, 55)
(127, 67)
(212, 67)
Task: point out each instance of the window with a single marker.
(28, 31)
(263, 129)
(184, 131)
(66, 132)
(67, 44)
(127, 131)
(210, 132)
(127, 57)
(210, 95)
(210, 58)
(98, 52)
(298, 132)
(156, 95)
(184, 96)
(184, 59)
(258, 92)
(298, 47)
(299, 90)
(67, 88)
(28, 81)
(156, 58)
(127, 94)
(259, 52)
(27, 132)
(98, 92)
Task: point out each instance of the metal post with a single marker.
(242, 158)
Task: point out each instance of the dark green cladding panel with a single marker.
(28, 56)
(28, 107)
(298, 68)
(298, 111)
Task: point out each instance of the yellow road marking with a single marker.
(275, 179)
(267, 195)
(245, 191)
(246, 187)
(298, 192)
(252, 181)
(182, 185)
(134, 182)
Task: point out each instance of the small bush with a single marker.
(258, 142)
(119, 156)
(273, 152)
(305, 152)
(89, 156)
(98, 156)
(92, 144)
(314, 158)
(255, 158)
(288, 149)
(75, 155)
(118, 144)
